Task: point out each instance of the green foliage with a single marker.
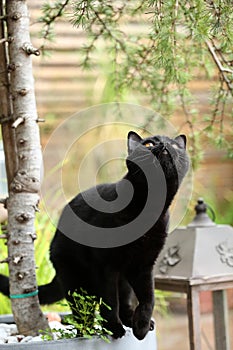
(5, 306)
(183, 40)
(86, 317)
(161, 302)
(223, 210)
(51, 11)
(220, 209)
(55, 334)
(86, 320)
(45, 270)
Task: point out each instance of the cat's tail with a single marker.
(51, 292)
(4, 285)
(48, 293)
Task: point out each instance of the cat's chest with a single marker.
(143, 251)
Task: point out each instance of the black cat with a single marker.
(111, 253)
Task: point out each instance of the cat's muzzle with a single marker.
(159, 149)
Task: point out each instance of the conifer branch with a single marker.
(222, 70)
(160, 63)
(50, 14)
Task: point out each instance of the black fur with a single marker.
(115, 274)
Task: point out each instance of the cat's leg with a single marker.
(127, 301)
(108, 290)
(143, 286)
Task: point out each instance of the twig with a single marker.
(40, 120)
(216, 59)
(222, 70)
(218, 99)
(6, 40)
(17, 122)
(2, 41)
(107, 30)
(189, 123)
(50, 19)
(30, 50)
(3, 200)
(4, 261)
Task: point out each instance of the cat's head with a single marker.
(169, 152)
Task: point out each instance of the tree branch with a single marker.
(17, 122)
(49, 19)
(222, 70)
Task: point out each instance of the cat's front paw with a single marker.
(117, 330)
(140, 329)
(142, 324)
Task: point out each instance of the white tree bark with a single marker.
(24, 188)
(8, 134)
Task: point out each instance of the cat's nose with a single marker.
(164, 147)
(160, 148)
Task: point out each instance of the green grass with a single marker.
(5, 307)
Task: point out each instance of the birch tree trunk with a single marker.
(25, 185)
(8, 134)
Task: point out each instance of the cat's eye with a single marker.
(175, 146)
(149, 144)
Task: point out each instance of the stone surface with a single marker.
(9, 333)
(128, 342)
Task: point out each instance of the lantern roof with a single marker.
(199, 251)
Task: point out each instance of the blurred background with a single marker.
(64, 88)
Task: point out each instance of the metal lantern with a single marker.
(197, 258)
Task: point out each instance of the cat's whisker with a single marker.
(181, 156)
(147, 154)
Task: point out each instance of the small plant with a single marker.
(86, 317)
(59, 333)
(86, 320)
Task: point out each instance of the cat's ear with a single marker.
(181, 140)
(133, 141)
